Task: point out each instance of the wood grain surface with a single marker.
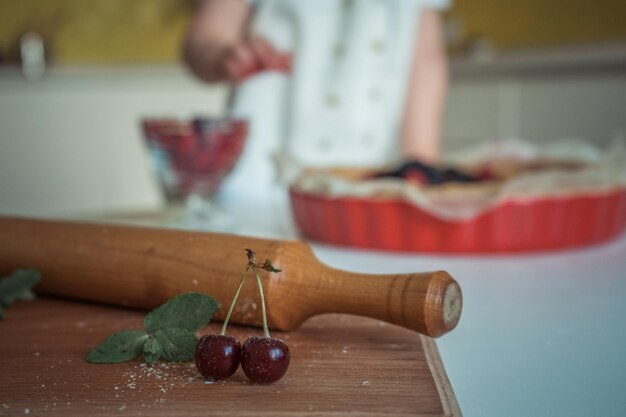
(341, 365)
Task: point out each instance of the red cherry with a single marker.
(264, 360)
(217, 356)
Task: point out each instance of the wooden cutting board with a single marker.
(341, 365)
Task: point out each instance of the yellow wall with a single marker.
(150, 31)
(528, 23)
(98, 31)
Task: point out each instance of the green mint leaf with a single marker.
(189, 311)
(169, 335)
(18, 286)
(177, 345)
(152, 350)
(119, 347)
(151, 358)
(267, 265)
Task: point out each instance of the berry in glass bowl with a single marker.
(192, 158)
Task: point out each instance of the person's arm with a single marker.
(217, 27)
(426, 96)
(219, 47)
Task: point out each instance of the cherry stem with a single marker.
(266, 330)
(232, 304)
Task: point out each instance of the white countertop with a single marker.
(540, 335)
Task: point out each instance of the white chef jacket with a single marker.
(342, 104)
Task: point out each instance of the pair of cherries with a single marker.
(263, 359)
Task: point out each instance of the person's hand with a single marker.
(253, 56)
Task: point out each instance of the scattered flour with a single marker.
(168, 376)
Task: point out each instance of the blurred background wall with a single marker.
(98, 31)
(537, 23)
(149, 31)
(70, 141)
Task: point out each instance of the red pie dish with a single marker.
(513, 226)
(515, 214)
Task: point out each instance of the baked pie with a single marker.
(502, 202)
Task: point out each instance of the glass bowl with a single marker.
(192, 158)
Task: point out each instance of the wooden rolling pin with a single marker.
(143, 267)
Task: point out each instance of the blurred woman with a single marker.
(325, 82)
